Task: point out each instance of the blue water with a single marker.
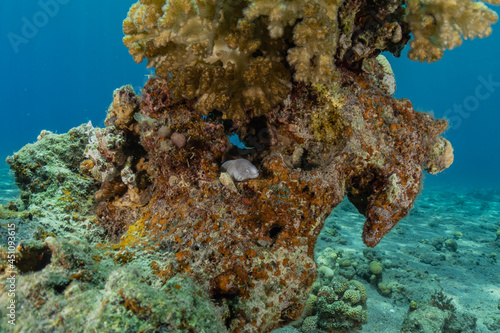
(454, 88)
(64, 73)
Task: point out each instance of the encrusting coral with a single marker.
(303, 85)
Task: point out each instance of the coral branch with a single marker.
(438, 25)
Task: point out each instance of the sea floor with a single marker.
(417, 262)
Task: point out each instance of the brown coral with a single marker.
(207, 55)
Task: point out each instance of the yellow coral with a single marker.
(206, 55)
(438, 25)
(440, 157)
(361, 289)
(121, 110)
(376, 267)
(326, 124)
(357, 313)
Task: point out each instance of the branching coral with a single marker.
(315, 36)
(438, 25)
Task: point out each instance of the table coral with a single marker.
(239, 57)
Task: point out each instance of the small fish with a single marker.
(240, 169)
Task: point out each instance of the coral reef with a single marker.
(98, 290)
(243, 246)
(152, 217)
(253, 251)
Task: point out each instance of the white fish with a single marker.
(240, 169)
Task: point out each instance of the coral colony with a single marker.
(157, 223)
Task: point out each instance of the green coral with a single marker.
(47, 172)
(352, 296)
(340, 284)
(357, 313)
(52, 188)
(94, 291)
(361, 289)
(376, 267)
(309, 324)
(385, 289)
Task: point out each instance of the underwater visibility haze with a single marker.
(250, 166)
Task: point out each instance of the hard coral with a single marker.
(343, 309)
(208, 54)
(239, 57)
(438, 25)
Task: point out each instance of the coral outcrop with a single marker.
(53, 191)
(304, 87)
(260, 240)
(250, 247)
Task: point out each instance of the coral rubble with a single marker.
(304, 86)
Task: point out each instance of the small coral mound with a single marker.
(337, 305)
(438, 25)
(439, 315)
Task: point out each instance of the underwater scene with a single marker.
(286, 166)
